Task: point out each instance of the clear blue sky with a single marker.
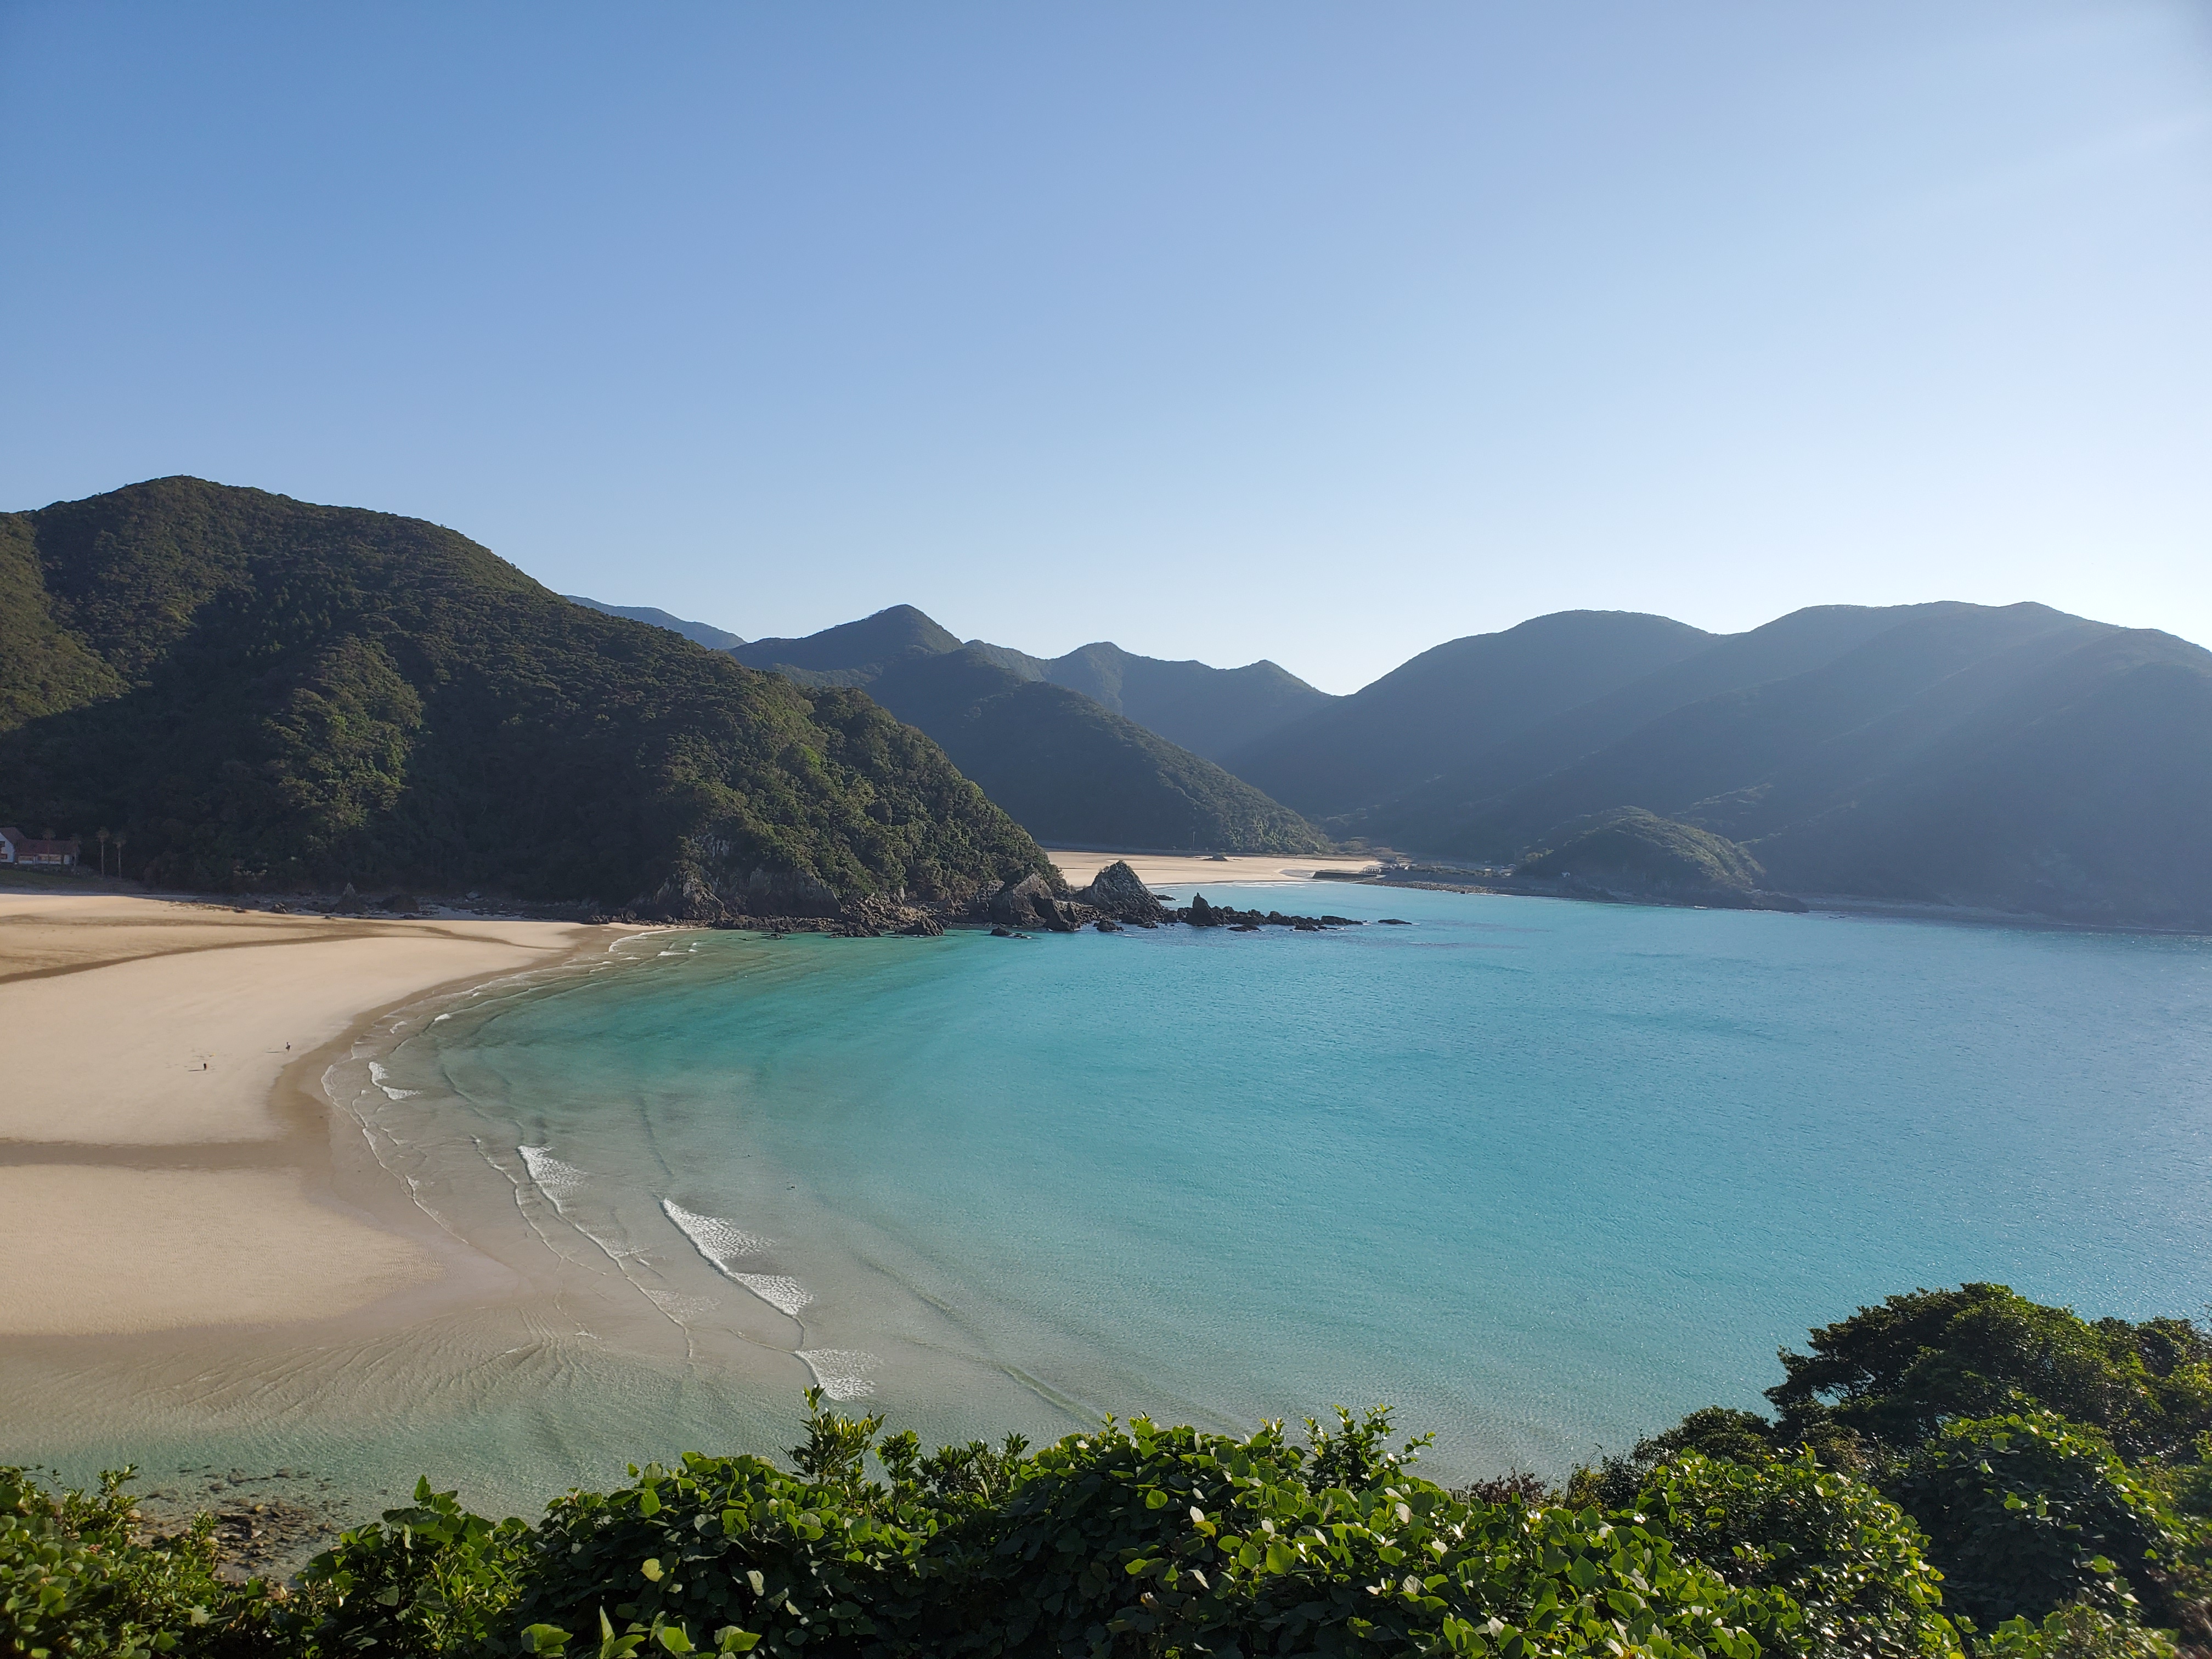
(1317, 331)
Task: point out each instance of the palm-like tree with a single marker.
(103, 850)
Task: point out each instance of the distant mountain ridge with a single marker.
(1209, 711)
(714, 639)
(851, 653)
(1071, 771)
(1453, 702)
(1080, 749)
(2012, 757)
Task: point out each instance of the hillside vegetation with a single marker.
(2010, 756)
(1069, 771)
(1640, 851)
(1948, 1472)
(1454, 702)
(262, 692)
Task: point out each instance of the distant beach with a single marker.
(1195, 870)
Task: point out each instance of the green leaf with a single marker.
(652, 1569)
(544, 1638)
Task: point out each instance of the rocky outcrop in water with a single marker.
(1200, 914)
(1030, 903)
(1115, 891)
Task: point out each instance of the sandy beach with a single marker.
(166, 1146)
(165, 1149)
(1171, 870)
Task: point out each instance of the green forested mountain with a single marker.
(1081, 748)
(262, 691)
(851, 653)
(2011, 756)
(1640, 851)
(1450, 704)
(1070, 771)
(699, 633)
(1209, 711)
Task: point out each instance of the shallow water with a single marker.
(1542, 1175)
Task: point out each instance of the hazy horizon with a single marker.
(1287, 332)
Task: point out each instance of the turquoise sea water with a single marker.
(1543, 1175)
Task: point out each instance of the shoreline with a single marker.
(267, 1279)
(168, 1161)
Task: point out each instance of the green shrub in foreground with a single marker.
(2079, 1630)
(1851, 1560)
(2029, 1511)
(74, 1582)
(1129, 1540)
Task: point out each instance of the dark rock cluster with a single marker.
(1030, 902)
(1199, 913)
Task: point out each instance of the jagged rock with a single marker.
(1030, 903)
(686, 896)
(1108, 925)
(1395, 921)
(880, 914)
(349, 895)
(1117, 891)
(1200, 914)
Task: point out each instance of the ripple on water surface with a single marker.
(1541, 1174)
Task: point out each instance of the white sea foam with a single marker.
(720, 1242)
(556, 1180)
(681, 1309)
(780, 1292)
(841, 1373)
(377, 1075)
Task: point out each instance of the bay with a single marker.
(1541, 1175)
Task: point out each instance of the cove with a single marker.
(1542, 1175)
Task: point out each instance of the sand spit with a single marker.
(165, 1150)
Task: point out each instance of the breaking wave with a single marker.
(783, 1293)
(377, 1075)
(841, 1373)
(720, 1242)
